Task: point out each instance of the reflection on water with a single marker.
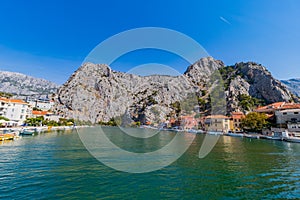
(56, 165)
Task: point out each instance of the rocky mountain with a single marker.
(21, 85)
(252, 80)
(293, 85)
(95, 92)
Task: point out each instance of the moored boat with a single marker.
(235, 134)
(6, 136)
(27, 132)
(215, 132)
(289, 137)
(253, 136)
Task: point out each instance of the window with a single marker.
(296, 113)
(22, 111)
(21, 117)
(284, 113)
(13, 110)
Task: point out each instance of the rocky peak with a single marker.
(256, 81)
(199, 73)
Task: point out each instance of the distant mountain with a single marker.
(293, 85)
(96, 93)
(21, 85)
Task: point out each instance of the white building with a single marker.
(14, 109)
(285, 116)
(43, 104)
(217, 123)
(47, 115)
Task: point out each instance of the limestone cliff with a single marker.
(95, 92)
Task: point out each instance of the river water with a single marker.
(57, 166)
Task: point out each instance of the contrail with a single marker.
(225, 20)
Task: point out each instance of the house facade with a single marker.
(42, 104)
(235, 121)
(14, 109)
(217, 123)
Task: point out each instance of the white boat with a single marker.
(235, 134)
(215, 132)
(252, 136)
(274, 138)
(192, 131)
(287, 136)
(27, 132)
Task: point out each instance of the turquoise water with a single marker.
(57, 166)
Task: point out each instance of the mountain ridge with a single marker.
(95, 92)
(293, 85)
(22, 85)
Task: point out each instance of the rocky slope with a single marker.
(293, 85)
(97, 93)
(253, 80)
(21, 85)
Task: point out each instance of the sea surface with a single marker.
(57, 165)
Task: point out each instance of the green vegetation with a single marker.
(36, 109)
(255, 122)
(4, 118)
(38, 121)
(176, 106)
(189, 103)
(151, 100)
(217, 96)
(227, 74)
(111, 122)
(6, 95)
(202, 104)
(248, 103)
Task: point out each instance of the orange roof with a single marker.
(278, 106)
(290, 106)
(36, 112)
(272, 106)
(18, 101)
(237, 115)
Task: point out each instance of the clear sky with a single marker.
(51, 38)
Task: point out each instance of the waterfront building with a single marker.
(218, 123)
(15, 110)
(188, 122)
(47, 115)
(235, 121)
(42, 104)
(271, 108)
(285, 116)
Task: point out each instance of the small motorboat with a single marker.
(235, 134)
(27, 132)
(290, 137)
(215, 132)
(253, 136)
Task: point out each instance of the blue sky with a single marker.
(50, 39)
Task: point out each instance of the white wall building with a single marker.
(285, 116)
(43, 104)
(14, 109)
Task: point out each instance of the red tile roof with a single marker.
(17, 101)
(36, 112)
